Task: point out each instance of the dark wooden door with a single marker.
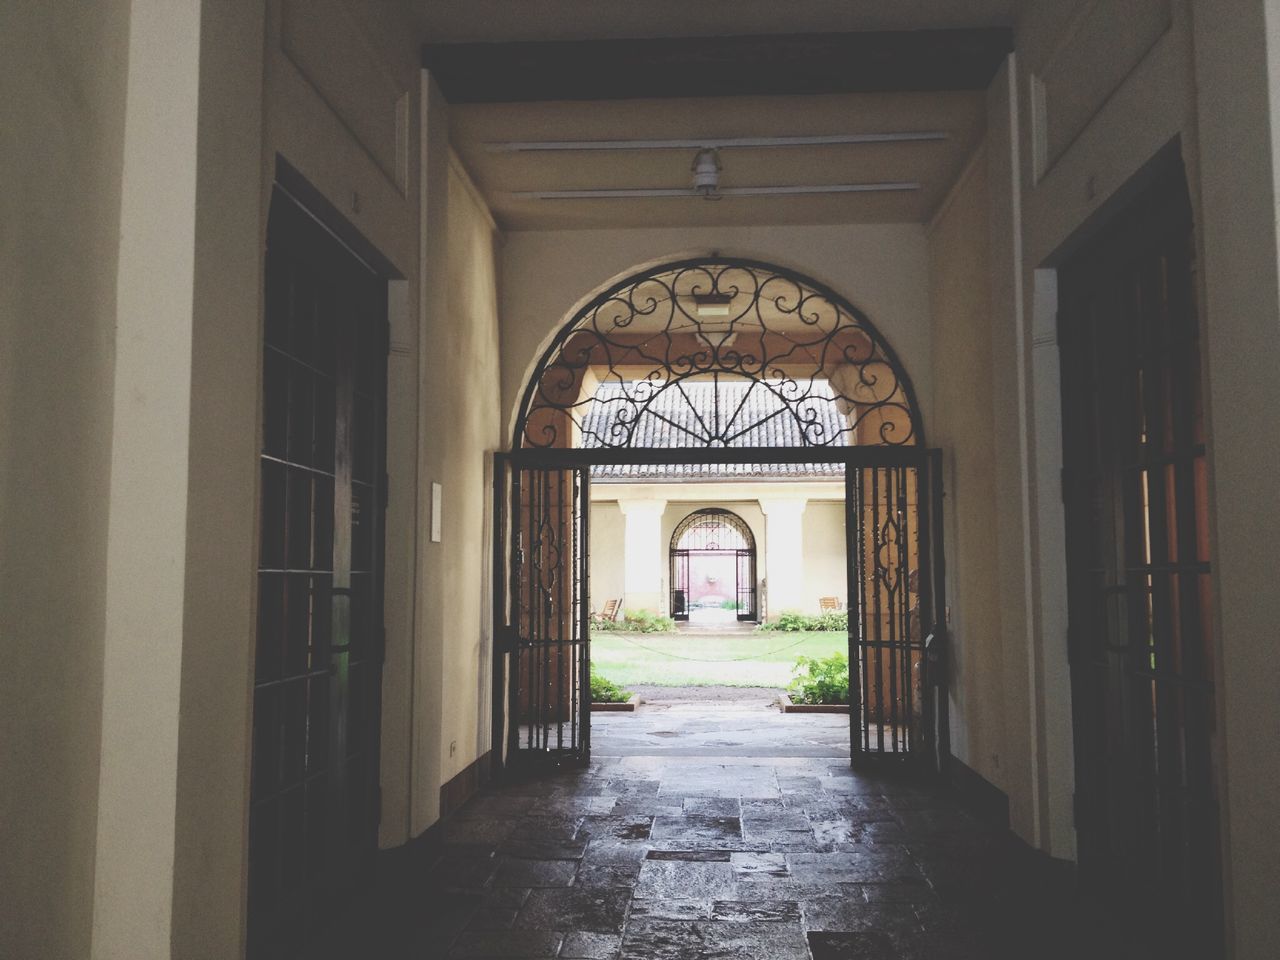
(1139, 583)
(317, 685)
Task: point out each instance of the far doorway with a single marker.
(713, 569)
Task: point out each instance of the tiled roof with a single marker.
(745, 413)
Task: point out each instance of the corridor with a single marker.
(674, 856)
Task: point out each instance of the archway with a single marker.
(713, 567)
(814, 366)
(732, 365)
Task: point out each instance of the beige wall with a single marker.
(62, 67)
(961, 423)
(608, 529)
(824, 554)
(547, 275)
(465, 418)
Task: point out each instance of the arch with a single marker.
(698, 531)
(718, 352)
(721, 538)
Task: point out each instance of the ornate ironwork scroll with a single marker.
(712, 529)
(718, 353)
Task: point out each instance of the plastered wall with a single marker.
(608, 528)
(466, 421)
(825, 570)
(961, 423)
(62, 67)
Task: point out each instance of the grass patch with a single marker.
(738, 660)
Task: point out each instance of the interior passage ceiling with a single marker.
(934, 164)
(637, 104)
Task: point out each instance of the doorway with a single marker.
(314, 798)
(713, 569)
(736, 365)
(1139, 581)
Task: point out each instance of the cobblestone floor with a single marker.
(657, 855)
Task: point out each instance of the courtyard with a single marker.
(733, 657)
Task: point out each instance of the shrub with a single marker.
(730, 605)
(604, 690)
(637, 621)
(792, 621)
(820, 679)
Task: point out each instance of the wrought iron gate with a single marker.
(544, 614)
(721, 365)
(897, 630)
(680, 585)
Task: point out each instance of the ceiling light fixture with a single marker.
(712, 304)
(706, 174)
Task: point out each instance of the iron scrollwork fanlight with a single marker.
(718, 353)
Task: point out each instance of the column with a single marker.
(785, 585)
(644, 555)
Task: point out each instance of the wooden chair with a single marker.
(828, 604)
(611, 610)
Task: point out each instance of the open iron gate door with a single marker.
(897, 610)
(897, 623)
(543, 616)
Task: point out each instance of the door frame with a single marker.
(306, 222)
(676, 555)
(933, 754)
(1157, 214)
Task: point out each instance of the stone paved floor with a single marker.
(659, 855)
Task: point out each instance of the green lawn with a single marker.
(691, 659)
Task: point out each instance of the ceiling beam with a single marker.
(649, 193)
(769, 65)
(714, 143)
